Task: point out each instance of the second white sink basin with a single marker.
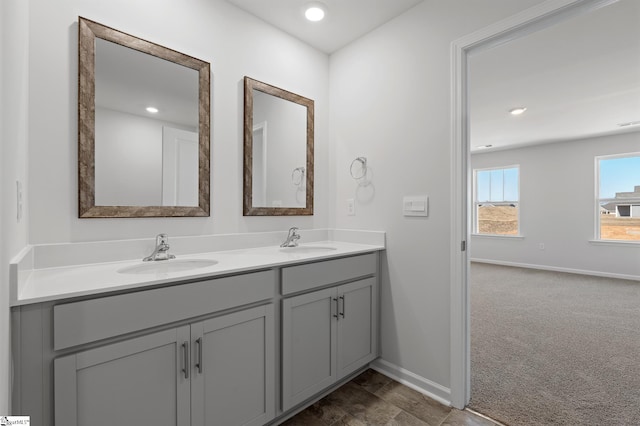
(307, 249)
(166, 266)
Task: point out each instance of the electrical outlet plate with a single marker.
(351, 207)
(18, 200)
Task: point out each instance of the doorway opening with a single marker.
(532, 20)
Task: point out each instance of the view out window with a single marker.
(496, 200)
(619, 197)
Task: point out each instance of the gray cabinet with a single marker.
(326, 335)
(214, 372)
(308, 345)
(234, 362)
(356, 326)
(137, 381)
(199, 352)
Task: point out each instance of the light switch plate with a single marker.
(415, 205)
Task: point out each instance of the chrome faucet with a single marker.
(292, 238)
(161, 252)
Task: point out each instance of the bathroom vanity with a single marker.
(227, 345)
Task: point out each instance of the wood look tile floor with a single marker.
(375, 399)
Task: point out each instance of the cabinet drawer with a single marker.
(91, 320)
(312, 275)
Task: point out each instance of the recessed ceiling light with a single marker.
(517, 111)
(315, 11)
(152, 110)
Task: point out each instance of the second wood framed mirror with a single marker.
(278, 151)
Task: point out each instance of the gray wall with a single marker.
(4, 290)
(557, 208)
(390, 102)
(14, 25)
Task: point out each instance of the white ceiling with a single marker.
(577, 79)
(346, 20)
(128, 80)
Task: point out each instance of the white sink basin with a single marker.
(166, 266)
(307, 249)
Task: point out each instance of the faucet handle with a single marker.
(162, 239)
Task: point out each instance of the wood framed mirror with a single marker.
(278, 151)
(143, 127)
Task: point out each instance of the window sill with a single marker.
(498, 236)
(618, 243)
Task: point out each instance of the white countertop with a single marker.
(57, 283)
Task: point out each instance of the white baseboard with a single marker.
(559, 269)
(415, 382)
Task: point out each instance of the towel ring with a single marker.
(363, 168)
(297, 176)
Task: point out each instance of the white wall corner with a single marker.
(418, 383)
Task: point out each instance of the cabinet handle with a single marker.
(337, 308)
(185, 359)
(199, 363)
(343, 304)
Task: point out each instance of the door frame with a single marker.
(543, 15)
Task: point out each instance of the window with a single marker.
(618, 197)
(496, 201)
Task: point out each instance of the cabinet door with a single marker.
(308, 344)
(356, 340)
(233, 369)
(138, 381)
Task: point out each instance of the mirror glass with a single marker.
(143, 127)
(278, 150)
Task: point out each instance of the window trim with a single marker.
(475, 202)
(597, 215)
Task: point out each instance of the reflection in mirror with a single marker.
(279, 186)
(155, 153)
(278, 150)
(143, 127)
(259, 165)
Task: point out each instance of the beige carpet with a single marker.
(553, 348)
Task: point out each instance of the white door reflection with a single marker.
(259, 164)
(179, 167)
